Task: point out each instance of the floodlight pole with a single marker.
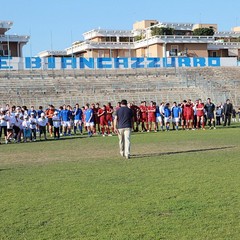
(72, 53)
(52, 51)
(30, 45)
(8, 46)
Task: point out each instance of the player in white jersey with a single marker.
(10, 123)
(26, 129)
(42, 123)
(56, 124)
(3, 124)
(33, 126)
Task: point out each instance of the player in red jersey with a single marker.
(184, 114)
(49, 114)
(151, 117)
(144, 116)
(102, 114)
(109, 110)
(189, 114)
(200, 114)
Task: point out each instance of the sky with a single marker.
(55, 24)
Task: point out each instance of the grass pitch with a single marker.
(177, 185)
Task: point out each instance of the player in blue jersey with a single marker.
(176, 114)
(89, 120)
(32, 112)
(59, 114)
(158, 116)
(65, 119)
(167, 116)
(77, 113)
(40, 110)
(71, 116)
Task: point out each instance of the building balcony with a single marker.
(227, 34)
(176, 26)
(106, 33)
(173, 39)
(84, 46)
(87, 45)
(5, 26)
(224, 45)
(47, 53)
(14, 38)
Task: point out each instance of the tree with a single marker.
(162, 31)
(203, 32)
(138, 38)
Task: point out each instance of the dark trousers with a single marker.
(42, 130)
(227, 120)
(195, 121)
(56, 132)
(17, 134)
(4, 130)
(33, 135)
(218, 118)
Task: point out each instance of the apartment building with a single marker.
(11, 45)
(141, 41)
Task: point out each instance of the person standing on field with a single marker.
(49, 115)
(123, 126)
(210, 108)
(227, 112)
(200, 114)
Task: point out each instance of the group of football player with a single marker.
(22, 124)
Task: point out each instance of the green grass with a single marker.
(177, 185)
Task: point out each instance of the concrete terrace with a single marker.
(41, 87)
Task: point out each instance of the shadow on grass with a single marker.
(179, 152)
(5, 169)
(63, 138)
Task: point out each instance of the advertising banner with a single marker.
(37, 63)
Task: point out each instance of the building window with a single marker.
(127, 53)
(110, 39)
(125, 39)
(101, 53)
(4, 50)
(214, 54)
(174, 50)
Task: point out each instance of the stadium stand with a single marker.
(70, 86)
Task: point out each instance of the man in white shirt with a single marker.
(56, 124)
(10, 123)
(3, 124)
(42, 122)
(33, 126)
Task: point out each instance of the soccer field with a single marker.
(177, 185)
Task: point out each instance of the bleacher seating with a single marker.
(71, 86)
